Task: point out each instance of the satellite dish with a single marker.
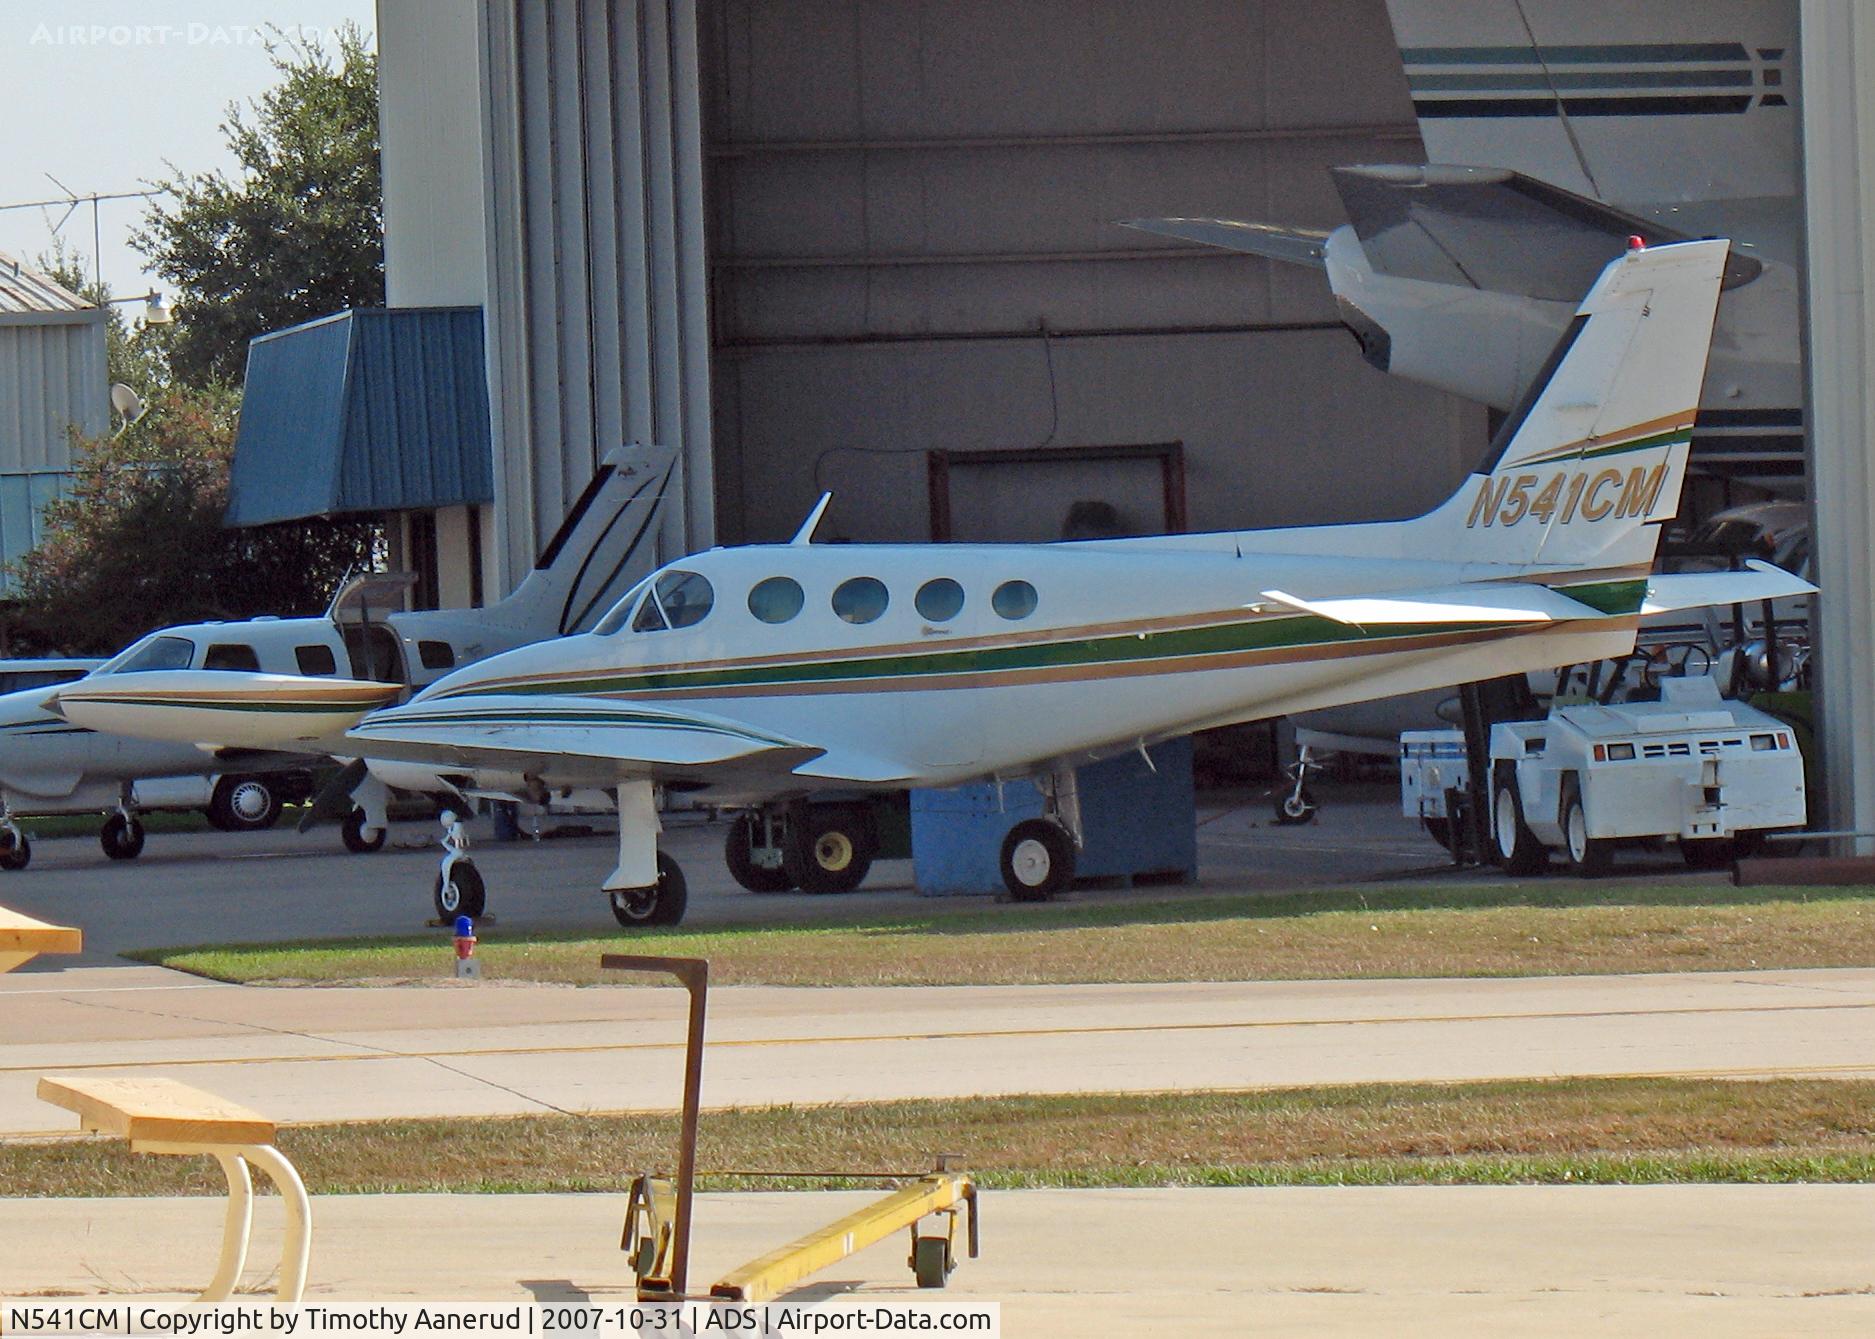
(128, 404)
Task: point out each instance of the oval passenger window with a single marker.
(776, 599)
(860, 600)
(1014, 599)
(940, 600)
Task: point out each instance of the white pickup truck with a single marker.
(1693, 765)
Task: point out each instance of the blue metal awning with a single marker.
(369, 410)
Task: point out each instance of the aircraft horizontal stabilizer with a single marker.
(1297, 246)
(1696, 590)
(1505, 602)
(496, 728)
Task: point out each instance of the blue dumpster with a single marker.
(1137, 822)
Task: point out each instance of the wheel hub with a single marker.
(637, 903)
(1031, 862)
(249, 801)
(833, 851)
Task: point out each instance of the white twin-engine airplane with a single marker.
(755, 675)
(262, 695)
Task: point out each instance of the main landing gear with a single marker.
(121, 837)
(16, 848)
(1039, 854)
(818, 848)
(646, 887)
(367, 824)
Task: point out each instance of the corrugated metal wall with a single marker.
(53, 380)
(597, 306)
(904, 195)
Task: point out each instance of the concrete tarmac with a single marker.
(346, 1053)
(1716, 1261)
(1722, 1260)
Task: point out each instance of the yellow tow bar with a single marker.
(657, 1216)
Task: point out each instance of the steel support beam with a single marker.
(1838, 105)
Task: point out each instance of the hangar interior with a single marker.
(810, 241)
(914, 246)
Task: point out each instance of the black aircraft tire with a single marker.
(465, 895)
(739, 855)
(18, 855)
(352, 831)
(661, 904)
(121, 839)
(1292, 808)
(1037, 860)
(829, 850)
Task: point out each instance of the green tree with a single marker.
(296, 234)
(138, 543)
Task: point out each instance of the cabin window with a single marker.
(13, 681)
(160, 653)
(776, 599)
(436, 655)
(231, 656)
(686, 596)
(315, 659)
(939, 600)
(860, 600)
(1014, 599)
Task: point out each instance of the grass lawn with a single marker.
(1549, 928)
(1591, 1131)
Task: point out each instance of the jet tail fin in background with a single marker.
(1586, 468)
(607, 543)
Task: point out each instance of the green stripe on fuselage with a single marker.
(1127, 648)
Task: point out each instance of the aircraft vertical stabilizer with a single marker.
(1588, 466)
(606, 544)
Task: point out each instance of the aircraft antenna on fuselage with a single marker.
(805, 535)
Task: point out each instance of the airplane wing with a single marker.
(622, 737)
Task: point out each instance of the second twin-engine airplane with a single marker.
(756, 674)
(258, 696)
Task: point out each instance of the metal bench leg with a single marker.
(296, 1253)
(235, 1231)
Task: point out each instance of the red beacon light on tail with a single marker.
(1636, 242)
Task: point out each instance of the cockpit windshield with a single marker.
(615, 616)
(155, 653)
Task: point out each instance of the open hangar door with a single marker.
(914, 247)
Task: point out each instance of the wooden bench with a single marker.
(22, 938)
(162, 1116)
